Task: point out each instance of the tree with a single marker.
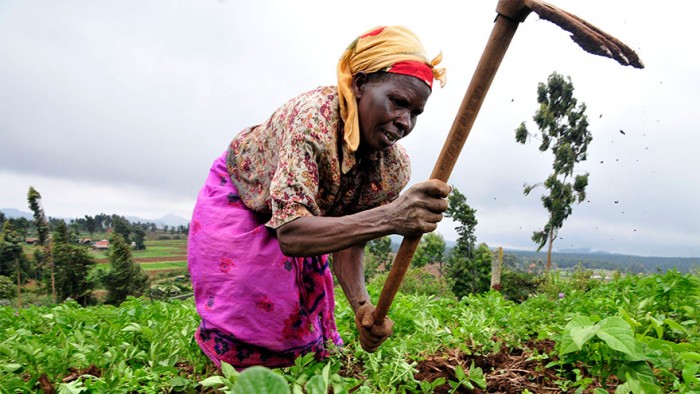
(471, 275)
(465, 217)
(139, 237)
(511, 262)
(377, 253)
(123, 227)
(430, 250)
(102, 222)
(125, 276)
(12, 259)
(564, 132)
(21, 225)
(7, 288)
(61, 233)
(73, 265)
(460, 212)
(90, 224)
(42, 228)
(466, 269)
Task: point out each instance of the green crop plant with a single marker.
(467, 380)
(634, 334)
(606, 346)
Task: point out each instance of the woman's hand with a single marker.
(420, 208)
(371, 335)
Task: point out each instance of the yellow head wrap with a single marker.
(376, 50)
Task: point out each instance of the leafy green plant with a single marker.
(308, 375)
(474, 376)
(7, 288)
(605, 346)
(417, 281)
(254, 380)
(622, 333)
(677, 365)
(518, 286)
(429, 387)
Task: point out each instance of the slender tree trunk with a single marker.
(53, 283)
(19, 286)
(496, 267)
(51, 265)
(549, 250)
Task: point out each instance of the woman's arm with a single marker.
(415, 212)
(348, 265)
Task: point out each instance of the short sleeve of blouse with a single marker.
(295, 184)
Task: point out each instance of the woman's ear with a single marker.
(359, 81)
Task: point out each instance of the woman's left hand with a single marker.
(371, 335)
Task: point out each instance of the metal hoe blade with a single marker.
(590, 38)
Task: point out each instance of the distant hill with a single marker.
(568, 258)
(612, 261)
(12, 213)
(169, 220)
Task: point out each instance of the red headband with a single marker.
(413, 68)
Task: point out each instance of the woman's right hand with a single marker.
(371, 335)
(420, 208)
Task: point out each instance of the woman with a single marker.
(322, 175)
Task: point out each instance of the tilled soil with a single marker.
(510, 371)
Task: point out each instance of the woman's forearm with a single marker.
(314, 235)
(413, 213)
(348, 266)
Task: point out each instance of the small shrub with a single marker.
(8, 289)
(164, 291)
(517, 286)
(581, 279)
(416, 281)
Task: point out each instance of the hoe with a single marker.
(510, 14)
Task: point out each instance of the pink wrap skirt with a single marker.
(258, 306)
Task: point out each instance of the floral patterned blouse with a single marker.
(296, 164)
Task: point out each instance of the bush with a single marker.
(8, 289)
(417, 281)
(470, 275)
(164, 291)
(517, 286)
(558, 284)
(581, 279)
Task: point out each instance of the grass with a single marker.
(164, 266)
(158, 251)
(168, 253)
(168, 265)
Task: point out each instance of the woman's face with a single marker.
(387, 108)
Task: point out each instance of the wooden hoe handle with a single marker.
(496, 47)
(510, 14)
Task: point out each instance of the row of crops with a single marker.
(631, 334)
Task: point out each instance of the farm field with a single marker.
(160, 256)
(635, 334)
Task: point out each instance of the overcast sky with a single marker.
(121, 107)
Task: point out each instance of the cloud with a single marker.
(121, 107)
